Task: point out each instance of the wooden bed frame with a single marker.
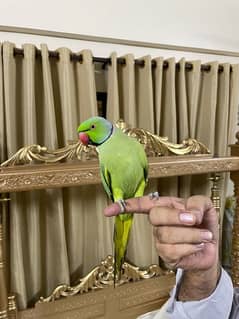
(138, 295)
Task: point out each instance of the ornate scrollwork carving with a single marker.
(31, 153)
(103, 276)
(160, 146)
(154, 146)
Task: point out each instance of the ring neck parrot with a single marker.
(123, 169)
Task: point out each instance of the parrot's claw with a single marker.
(154, 195)
(122, 205)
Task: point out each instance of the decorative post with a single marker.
(12, 307)
(216, 192)
(235, 234)
(3, 281)
(216, 200)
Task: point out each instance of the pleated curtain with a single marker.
(57, 236)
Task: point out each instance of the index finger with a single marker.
(143, 205)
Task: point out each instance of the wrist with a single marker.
(198, 284)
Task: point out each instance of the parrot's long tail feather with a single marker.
(123, 225)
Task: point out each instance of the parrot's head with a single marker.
(95, 131)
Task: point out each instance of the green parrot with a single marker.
(123, 169)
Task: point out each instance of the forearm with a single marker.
(197, 285)
(194, 298)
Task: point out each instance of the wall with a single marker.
(202, 23)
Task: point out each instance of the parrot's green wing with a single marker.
(106, 181)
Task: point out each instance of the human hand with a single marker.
(186, 231)
(187, 238)
(186, 234)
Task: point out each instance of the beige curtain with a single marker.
(217, 98)
(57, 236)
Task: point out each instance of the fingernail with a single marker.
(200, 246)
(206, 235)
(186, 218)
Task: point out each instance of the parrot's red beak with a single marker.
(84, 138)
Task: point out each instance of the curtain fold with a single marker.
(205, 126)
(169, 124)
(193, 84)
(30, 208)
(127, 98)
(46, 112)
(3, 144)
(113, 110)
(157, 91)
(58, 235)
(222, 111)
(233, 103)
(144, 95)
(12, 140)
(181, 102)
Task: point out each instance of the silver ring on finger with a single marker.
(154, 195)
(122, 205)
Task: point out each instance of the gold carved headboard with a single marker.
(75, 165)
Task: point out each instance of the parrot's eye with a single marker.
(93, 126)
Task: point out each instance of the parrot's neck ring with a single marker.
(107, 137)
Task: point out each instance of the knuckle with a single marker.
(172, 254)
(166, 252)
(154, 216)
(163, 234)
